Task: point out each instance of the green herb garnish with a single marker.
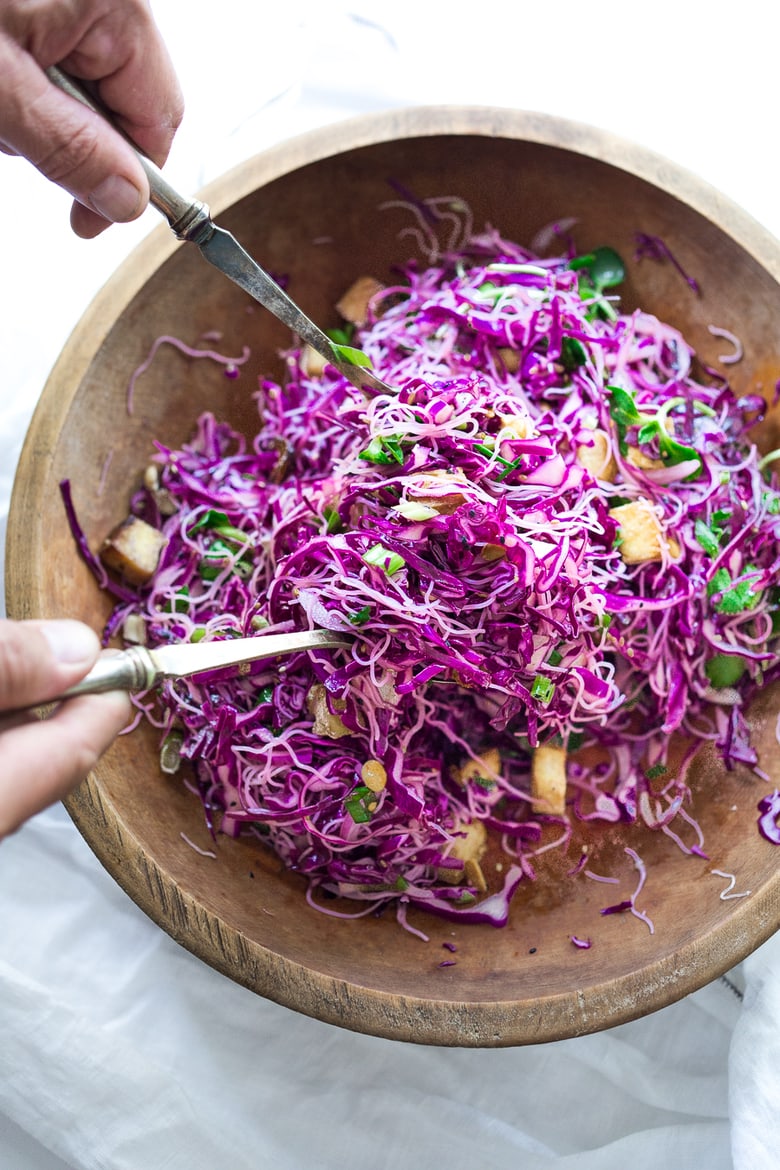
(332, 520)
(624, 413)
(573, 353)
(216, 559)
(219, 523)
(603, 268)
(351, 356)
(734, 598)
(342, 336)
(709, 540)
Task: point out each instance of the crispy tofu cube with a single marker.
(548, 780)
(353, 305)
(637, 458)
(474, 874)
(134, 629)
(487, 765)
(472, 846)
(326, 721)
(470, 849)
(438, 490)
(312, 362)
(597, 458)
(643, 538)
(516, 426)
(133, 549)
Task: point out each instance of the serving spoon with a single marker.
(139, 669)
(190, 220)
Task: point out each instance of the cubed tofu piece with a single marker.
(486, 765)
(642, 536)
(134, 629)
(312, 362)
(516, 426)
(469, 848)
(325, 715)
(353, 305)
(133, 549)
(597, 457)
(548, 780)
(474, 875)
(637, 458)
(438, 490)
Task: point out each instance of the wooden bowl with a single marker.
(242, 913)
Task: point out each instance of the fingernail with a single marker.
(71, 642)
(116, 199)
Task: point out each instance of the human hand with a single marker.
(116, 45)
(42, 760)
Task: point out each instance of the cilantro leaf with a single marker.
(707, 538)
(351, 356)
(603, 266)
(734, 598)
(573, 353)
(623, 412)
(341, 336)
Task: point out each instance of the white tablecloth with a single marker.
(118, 1049)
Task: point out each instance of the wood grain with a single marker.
(242, 913)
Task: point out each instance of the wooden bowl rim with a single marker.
(336, 1001)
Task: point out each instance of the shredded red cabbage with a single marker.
(554, 531)
(769, 821)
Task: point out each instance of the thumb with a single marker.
(70, 144)
(38, 660)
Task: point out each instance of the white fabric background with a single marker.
(119, 1050)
